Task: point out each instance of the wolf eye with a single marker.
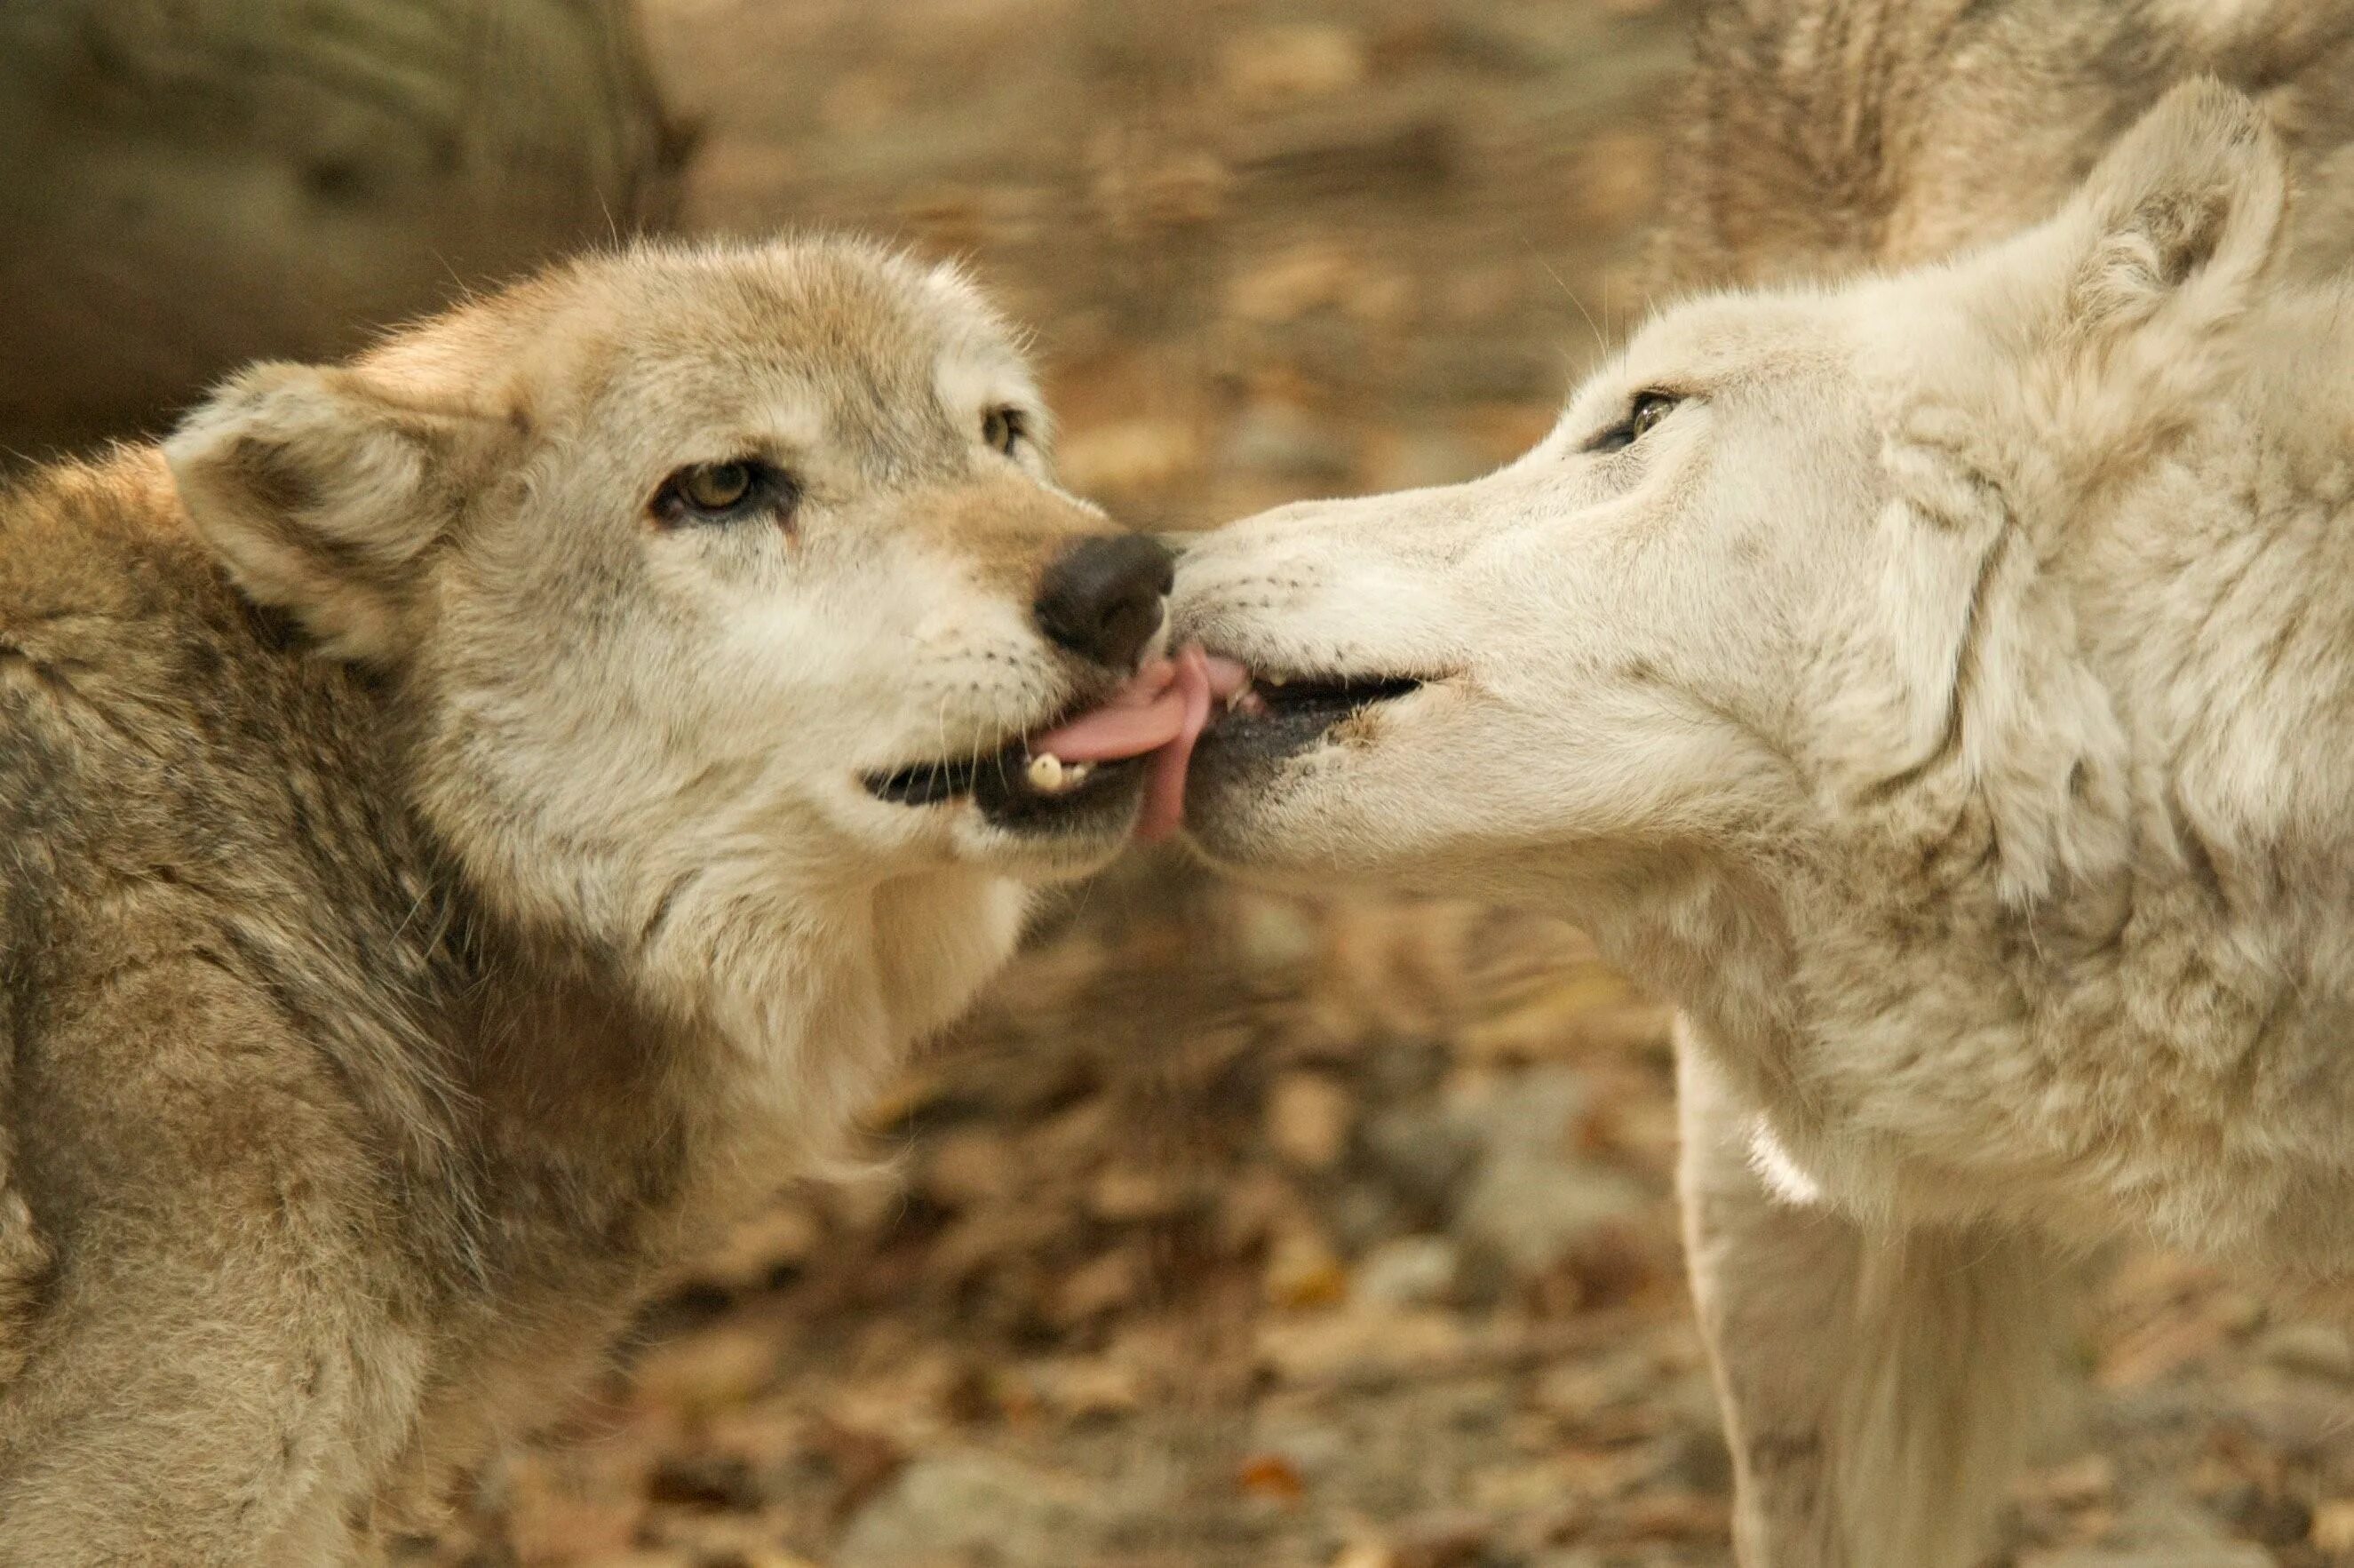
(716, 487)
(1647, 410)
(1003, 429)
(723, 492)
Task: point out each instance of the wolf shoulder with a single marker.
(150, 745)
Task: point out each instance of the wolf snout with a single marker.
(1103, 598)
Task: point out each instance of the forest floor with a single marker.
(1246, 1230)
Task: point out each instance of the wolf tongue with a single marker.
(1203, 678)
(1164, 711)
(1164, 791)
(1142, 715)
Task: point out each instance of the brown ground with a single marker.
(1236, 1230)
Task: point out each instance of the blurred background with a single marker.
(1233, 1229)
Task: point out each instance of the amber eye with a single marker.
(723, 492)
(1004, 430)
(716, 486)
(1647, 410)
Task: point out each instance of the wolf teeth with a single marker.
(1050, 775)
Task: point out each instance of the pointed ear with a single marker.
(2175, 227)
(320, 492)
(2103, 329)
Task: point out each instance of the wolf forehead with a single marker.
(876, 350)
(1729, 341)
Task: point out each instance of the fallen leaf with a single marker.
(1271, 1476)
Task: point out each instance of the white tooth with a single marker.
(1276, 679)
(1047, 774)
(1236, 698)
(1076, 774)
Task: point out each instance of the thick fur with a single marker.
(432, 892)
(1821, 137)
(1945, 701)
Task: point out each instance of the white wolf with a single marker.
(1941, 686)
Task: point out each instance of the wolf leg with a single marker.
(1878, 1390)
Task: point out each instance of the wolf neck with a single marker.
(740, 1056)
(2211, 604)
(1717, 942)
(812, 999)
(581, 1102)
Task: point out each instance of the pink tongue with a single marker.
(1163, 710)
(1141, 716)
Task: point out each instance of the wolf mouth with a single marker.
(1089, 763)
(1277, 716)
(1009, 782)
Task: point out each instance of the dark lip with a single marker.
(930, 783)
(999, 783)
(1279, 720)
(945, 778)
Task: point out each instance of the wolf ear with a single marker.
(2175, 226)
(2111, 322)
(319, 493)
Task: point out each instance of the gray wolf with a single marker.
(475, 818)
(1938, 685)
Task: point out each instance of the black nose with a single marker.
(1101, 598)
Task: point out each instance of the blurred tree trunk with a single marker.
(185, 185)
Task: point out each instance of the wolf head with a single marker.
(713, 591)
(1789, 579)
